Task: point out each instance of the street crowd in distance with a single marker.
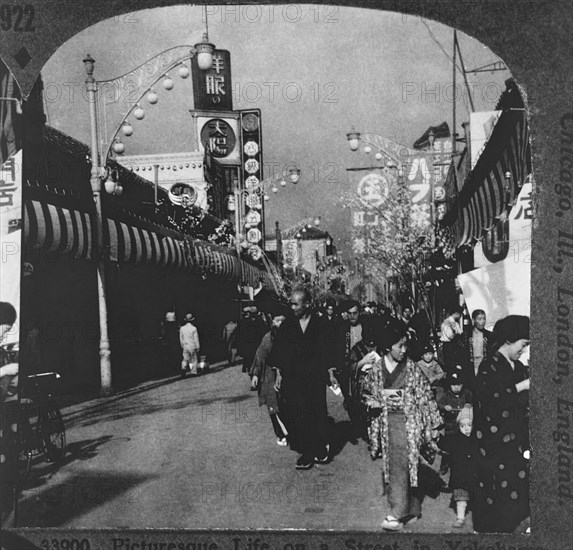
(442, 409)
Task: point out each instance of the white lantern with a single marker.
(168, 83)
(368, 149)
(109, 186)
(378, 156)
(139, 113)
(283, 182)
(204, 52)
(118, 190)
(183, 71)
(152, 97)
(353, 139)
(118, 147)
(275, 189)
(127, 129)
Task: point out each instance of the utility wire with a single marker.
(433, 36)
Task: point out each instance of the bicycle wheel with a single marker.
(53, 432)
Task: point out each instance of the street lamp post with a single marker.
(96, 184)
(100, 173)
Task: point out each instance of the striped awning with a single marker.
(483, 196)
(131, 244)
(58, 230)
(62, 231)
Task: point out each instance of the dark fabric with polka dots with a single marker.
(501, 499)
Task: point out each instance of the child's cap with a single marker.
(427, 349)
(455, 378)
(466, 414)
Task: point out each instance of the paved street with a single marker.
(200, 453)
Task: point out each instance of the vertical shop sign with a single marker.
(212, 89)
(251, 182)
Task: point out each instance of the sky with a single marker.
(313, 70)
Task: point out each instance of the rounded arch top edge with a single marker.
(492, 24)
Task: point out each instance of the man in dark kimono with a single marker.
(305, 356)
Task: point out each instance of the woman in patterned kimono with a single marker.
(403, 417)
(501, 501)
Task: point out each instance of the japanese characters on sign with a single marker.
(428, 169)
(251, 148)
(218, 134)
(252, 182)
(8, 182)
(253, 235)
(251, 162)
(252, 166)
(372, 188)
(510, 238)
(218, 137)
(252, 219)
(212, 89)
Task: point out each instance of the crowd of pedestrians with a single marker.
(444, 406)
(441, 408)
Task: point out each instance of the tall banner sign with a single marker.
(251, 182)
(373, 187)
(425, 173)
(212, 89)
(10, 250)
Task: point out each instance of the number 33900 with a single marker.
(17, 18)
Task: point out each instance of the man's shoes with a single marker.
(323, 459)
(410, 520)
(304, 463)
(390, 523)
(282, 441)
